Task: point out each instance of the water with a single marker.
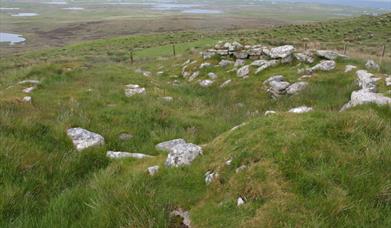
(56, 3)
(11, 38)
(25, 15)
(172, 6)
(5, 8)
(202, 11)
(73, 8)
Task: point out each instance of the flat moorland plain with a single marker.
(56, 26)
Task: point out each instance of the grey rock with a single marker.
(324, 65)
(363, 96)
(27, 99)
(168, 99)
(372, 65)
(243, 71)
(270, 112)
(301, 109)
(168, 145)
(224, 63)
(29, 89)
(208, 54)
(280, 52)
(388, 81)
(296, 87)
(204, 65)
(330, 55)
(185, 215)
(125, 136)
(194, 76)
(182, 154)
(241, 54)
(212, 75)
(210, 176)
(224, 84)
(305, 58)
(278, 78)
(153, 170)
(366, 80)
(29, 81)
(349, 68)
(119, 155)
(239, 63)
(240, 201)
(83, 139)
(264, 64)
(206, 83)
(133, 89)
(278, 88)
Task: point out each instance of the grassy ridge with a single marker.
(320, 169)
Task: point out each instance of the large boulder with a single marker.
(83, 139)
(278, 88)
(243, 71)
(280, 52)
(296, 88)
(327, 54)
(264, 64)
(183, 154)
(168, 145)
(363, 96)
(132, 89)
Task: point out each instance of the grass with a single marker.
(324, 168)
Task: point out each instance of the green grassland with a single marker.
(322, 169)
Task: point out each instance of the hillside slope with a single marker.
(323, 168)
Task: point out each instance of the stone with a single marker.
(224, 63)
(222, 52)
(287, 59)
(168, 145)
(296, 88)
(147, 74)
(187, 62)
(255, 51)
(183, 154)
(241, 168)
(208, 54)
(301, 109)
(224, 84)
(228, 162)
(268, 113)
(366, 80)
(305, 58)
(278, 88)
(241, 54)
(388, 81)
(153, 170)
(29, 81)
(363, 97)
(119, 155)
(327, 54)
(27, 99)
(133, 89)
(160, 73)
(206, 83)
(372, 65)
(349, 68)
(210, 176)
(194, 76)
(125, 136)
(239, 63)
(278, 78)
(212, 75)
(243, 71)
(168, 99)
(29, 89)
(264, 64)
(83, 139)
(324, 65)
(184, 215)
(280, 52)
(204, 65)
(240, 202)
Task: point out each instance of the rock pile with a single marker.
(367, 94)
(278, 86)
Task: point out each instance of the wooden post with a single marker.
(345, 48)
(383, 51)
(305, 46)
(173, 50)
(131, 56)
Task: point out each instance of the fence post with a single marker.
(131, 56)
(173, 50)
(383, 51)
(345, 48)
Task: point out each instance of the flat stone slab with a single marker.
(168, 145)
(83, 139)
(119, 155)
